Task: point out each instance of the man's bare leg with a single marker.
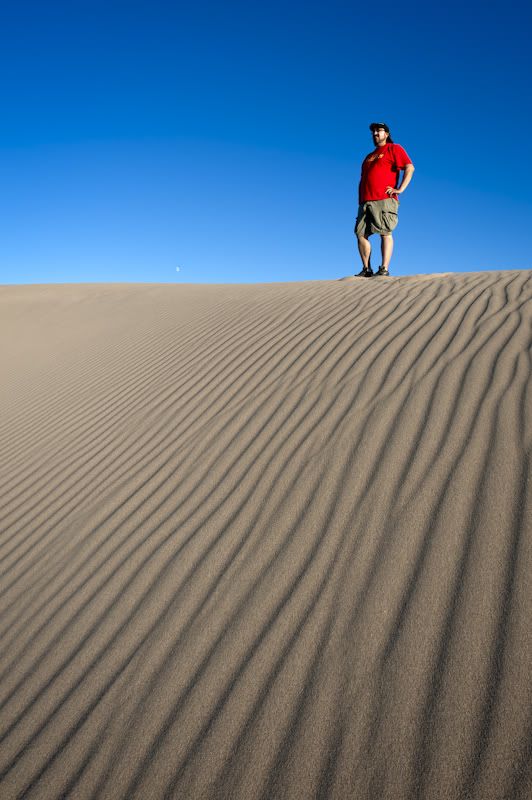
(364, 248)
(386, 249)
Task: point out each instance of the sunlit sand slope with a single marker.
(267, 541)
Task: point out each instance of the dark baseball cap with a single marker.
(375, 125)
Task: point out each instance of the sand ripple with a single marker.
(267, 541)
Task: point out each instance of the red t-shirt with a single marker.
(381, 169)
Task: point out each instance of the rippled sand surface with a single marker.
(267, 541)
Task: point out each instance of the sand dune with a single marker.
(267, 541)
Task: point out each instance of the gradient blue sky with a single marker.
(225, 138)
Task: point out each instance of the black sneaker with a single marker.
(383, 273)
(366, 272)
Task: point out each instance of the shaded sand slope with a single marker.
(267, 541)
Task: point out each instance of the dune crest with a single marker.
(267, 541)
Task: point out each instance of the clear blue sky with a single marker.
(225, 138)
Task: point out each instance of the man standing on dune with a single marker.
(377, 197)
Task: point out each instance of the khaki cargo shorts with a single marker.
(376, 216)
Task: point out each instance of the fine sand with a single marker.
(267, 541)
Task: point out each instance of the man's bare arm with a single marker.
(407, 177)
